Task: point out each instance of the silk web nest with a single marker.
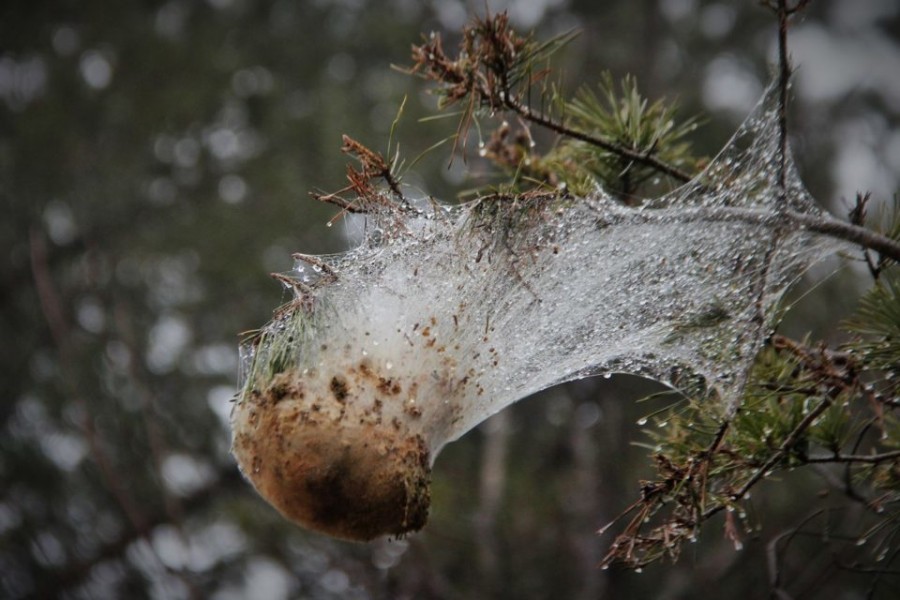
(444, 315)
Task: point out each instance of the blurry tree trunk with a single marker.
(492, 481)
(647, 49)
(581, 503)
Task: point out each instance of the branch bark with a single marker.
(823, 224)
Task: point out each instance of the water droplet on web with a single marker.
(375, 237)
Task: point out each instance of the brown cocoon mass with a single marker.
(328, 459)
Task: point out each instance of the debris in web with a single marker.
(445, 315)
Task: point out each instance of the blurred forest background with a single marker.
(155, 159)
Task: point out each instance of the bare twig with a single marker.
(342, 203)
(857, 216)
(374, 165)
(783, 11)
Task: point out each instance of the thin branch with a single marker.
(342, 203)
(843, 485)
(784, 77)
(855, 458)
(639, 157)
(772, 558)
(857, 216)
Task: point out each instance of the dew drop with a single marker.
(375, 237)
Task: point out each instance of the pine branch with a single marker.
(492, 61)
(782, 451)
(644, 158)
(493, 58)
